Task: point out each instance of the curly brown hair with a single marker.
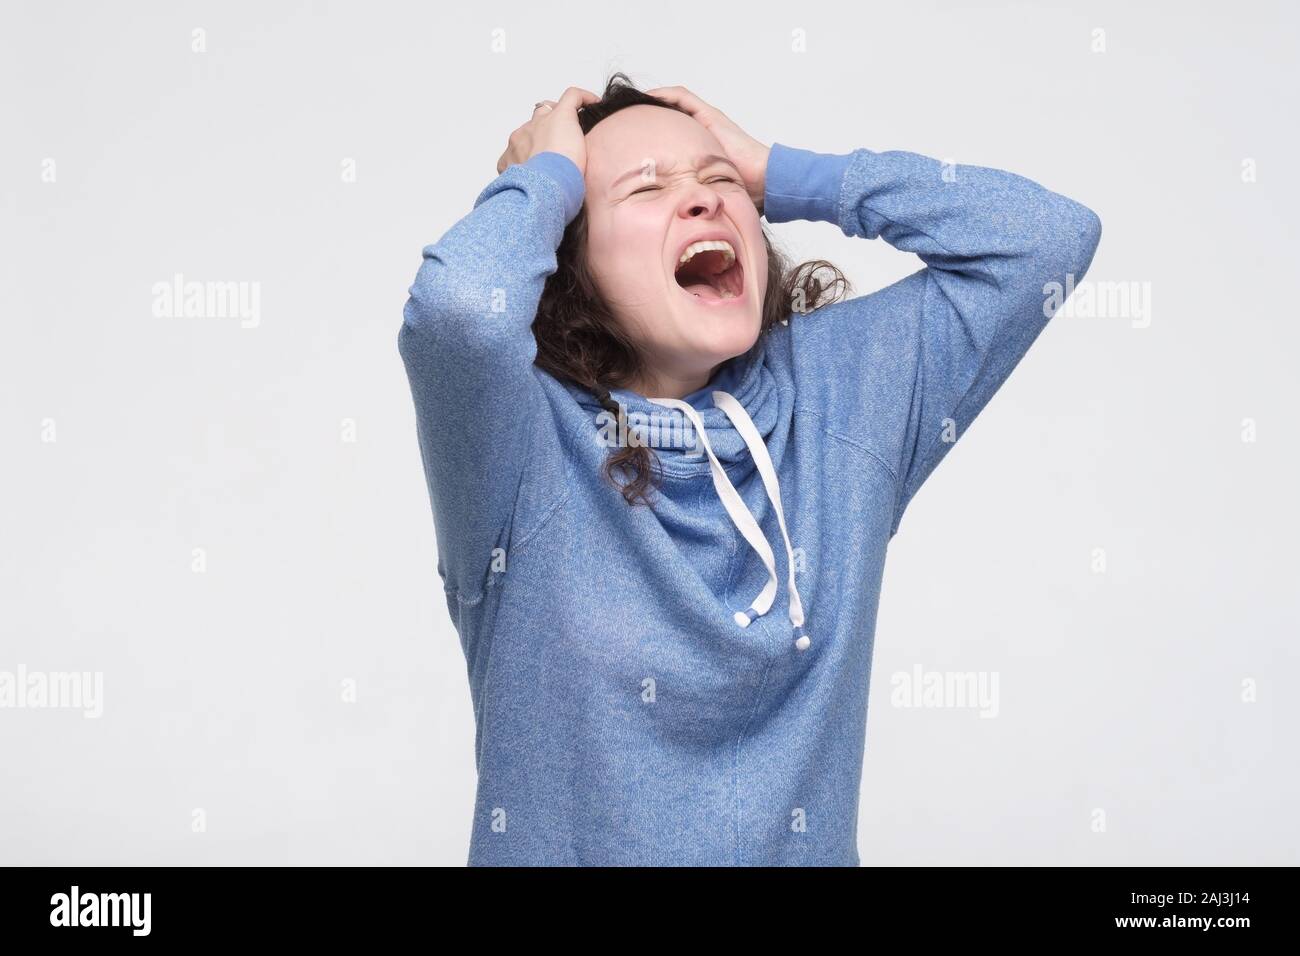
(578, 337)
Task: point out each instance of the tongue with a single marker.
(703, 290)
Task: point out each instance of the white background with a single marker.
(1120, 692)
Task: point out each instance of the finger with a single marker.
(680, 96)
(574, 97)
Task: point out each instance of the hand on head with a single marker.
(749, 155)
(553, 128)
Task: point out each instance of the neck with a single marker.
(667, 385)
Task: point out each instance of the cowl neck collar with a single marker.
(735, 424)
(671, 434)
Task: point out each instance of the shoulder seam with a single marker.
(852, 443)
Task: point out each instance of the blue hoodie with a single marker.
(687, 685)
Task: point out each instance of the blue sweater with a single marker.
(648, 686)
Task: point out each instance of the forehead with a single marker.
(633, 137)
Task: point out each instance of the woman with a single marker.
(669, 647)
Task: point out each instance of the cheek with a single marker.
(625, 260)
(602, 258)
(635, 255)
(759, 264)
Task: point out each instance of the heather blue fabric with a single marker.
(623, 717)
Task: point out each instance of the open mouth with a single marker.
(713, 274)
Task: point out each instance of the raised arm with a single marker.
(942, 341)
(467, 344)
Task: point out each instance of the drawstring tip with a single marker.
(802, 641)
(741, 618)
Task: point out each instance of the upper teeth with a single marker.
(708, 245)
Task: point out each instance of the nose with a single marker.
(700, 200)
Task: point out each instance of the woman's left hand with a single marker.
(749, 155)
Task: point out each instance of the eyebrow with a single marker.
(708, 160)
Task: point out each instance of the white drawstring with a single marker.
(741, 516)
(745, 425)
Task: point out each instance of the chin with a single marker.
(728, 336)
(714, 329)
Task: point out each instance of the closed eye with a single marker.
(715, 179)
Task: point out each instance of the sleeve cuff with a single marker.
(802, 184)
(565, 172)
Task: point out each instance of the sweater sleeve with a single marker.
(920, 359)
(467, 344)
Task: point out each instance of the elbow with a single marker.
(442, 290)
(464, 322)
(1079, 238)
(439, 302)
(1089, 237)
(433, 296)
(420, 322)
(414, 329)
(1062, 256)
(429, 320)
(432, 327)
(1065, 250)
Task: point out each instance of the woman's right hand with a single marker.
(554, 128)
